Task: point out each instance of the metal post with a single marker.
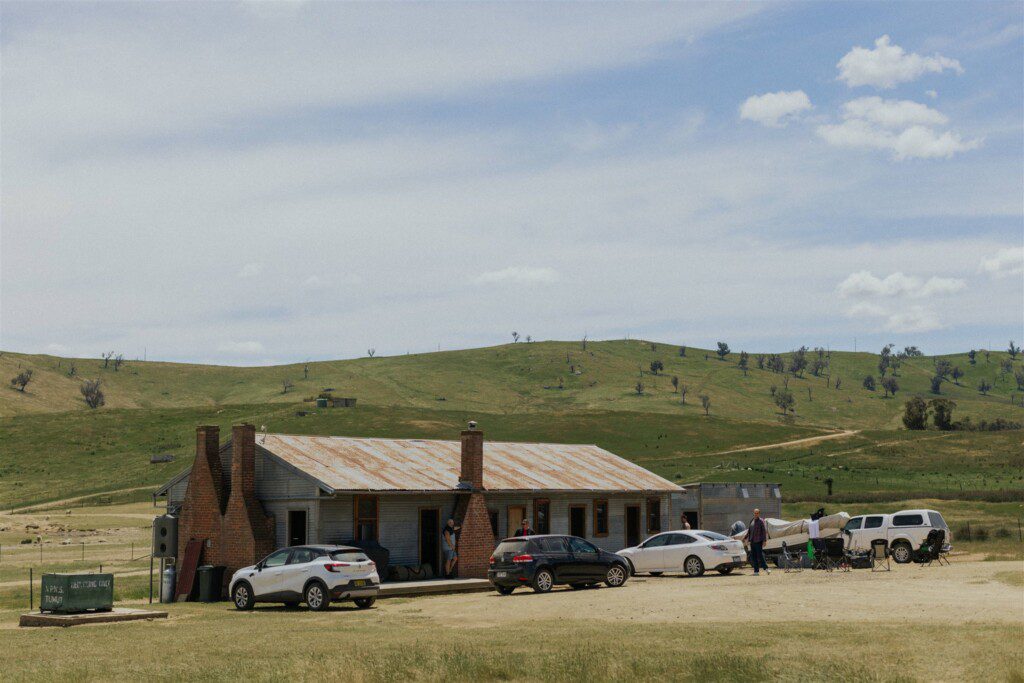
(83, 551)
(151, 578)
(30, 605)
(131, 555)
(161, 583)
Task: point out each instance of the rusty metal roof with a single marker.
(343, 463)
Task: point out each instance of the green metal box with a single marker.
(70, 593)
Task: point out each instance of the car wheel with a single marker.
(365, 603)
(693, 566)
(316, 597)
(725, 570)
(543, 580)
(902, 553)
(616, 575)
(504, 590)
(657, 573)
(242, 596)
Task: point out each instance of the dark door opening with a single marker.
(430, 538)
(296, 527)
(632, 525)
(578, 521)
(691, 517)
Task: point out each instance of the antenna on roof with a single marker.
(263, 428)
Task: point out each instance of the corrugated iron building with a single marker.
(716, 506)
(400, 492)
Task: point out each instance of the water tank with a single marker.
(167, 581)
(165, 536)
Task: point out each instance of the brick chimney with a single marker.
(243, 461)
(205, 497)
(247, 532)
(472, 470)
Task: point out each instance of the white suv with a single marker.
(905, 531)
(314, 574)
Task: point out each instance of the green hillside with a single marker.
(517, 378)
(55, 447)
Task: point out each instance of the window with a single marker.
(493, 514)
(854, 524)
(515, 547)
(349, 555)
(712, 536)
(656, 541)
(873, 522)
(277, 559)
(600, 517)
(936, 520)
(907, 520)
(578, 545)
(682, 539)
(542, 516)
(552, 544)
(302, 556)
(366, 518)
(653, 515)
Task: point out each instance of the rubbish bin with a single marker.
(210, 582)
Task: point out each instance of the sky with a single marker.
(255, 183)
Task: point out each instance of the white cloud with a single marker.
(889, 299)
(250, 270)
(888, 65)
(241, 348)
(902, 127)
(775, 109)
(1005, 262)
(518, 275)
(914, 319)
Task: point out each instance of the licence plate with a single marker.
(501, 575)
(359, 582)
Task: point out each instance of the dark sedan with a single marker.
(541, 562)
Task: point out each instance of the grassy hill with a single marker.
(520, 378)
(54, 447)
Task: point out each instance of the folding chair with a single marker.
(931, 549)
(880, 555)
(790, 562)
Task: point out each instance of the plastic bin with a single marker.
(211, 581)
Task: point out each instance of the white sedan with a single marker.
(687, 551)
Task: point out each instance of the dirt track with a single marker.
(962, 592)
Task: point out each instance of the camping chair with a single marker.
(931, 550)
(880, 555)
(791, 562)
(833, 554)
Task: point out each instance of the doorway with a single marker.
(516, 514)
(296, 527)
(578, 520)
(632, 525)
(430, 538)
(691, 517)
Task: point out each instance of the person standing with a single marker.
(525, 529)
(450, 542)
(756, 536)
(686, 523)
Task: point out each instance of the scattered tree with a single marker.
(515, 337)
(118, 361)
(1013, 350)
(683, 390)
(723, 350)
(744, 362)
(91, 392)
(891, 386)
(639, 388)
(584, 342)
(286, 385)
(1019, 376)
(808, 394)
(943, 368)
(675, 383)
(370, 352)
(705, 403)
(798, 361)
(942, 413)
(956, 374)
(682, 352)
(936, 385)
(972, 356)
(839, 380)
(785, 401)
(72, 370)
(984, 387)
(912, 352)
(21, 380)
(869, 383)
(529, 339)
(1005, 368)
(656, 367)
(776, 364)
(106, 358)
(305, 371)
(987, 354)
(760, 361)
(772, 389)
(915, 413)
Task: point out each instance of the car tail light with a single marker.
(492, 560)
(519, 559)
(720, 547)
(336, 566)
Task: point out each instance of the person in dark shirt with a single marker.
(449, 544)
(757, 534)
(525, 529)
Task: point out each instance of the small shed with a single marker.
(715, 506)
